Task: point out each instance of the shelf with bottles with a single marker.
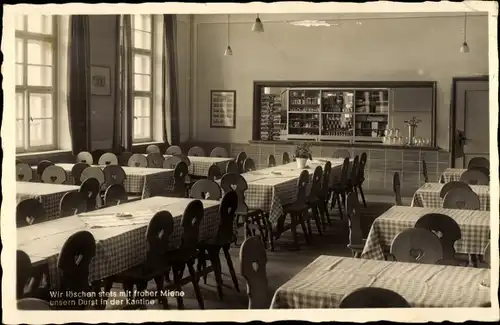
(370, 129)
(375, 101)
(337, 125)
(337, 101)
(301, 99)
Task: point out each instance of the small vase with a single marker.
(301, 163)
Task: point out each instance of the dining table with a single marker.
(328, 279)
(428, 196)
(199, 165)
(451, 175)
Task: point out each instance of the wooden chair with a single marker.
(360, 177)
(339, 189)
(240, 160)
(341, 153)
(183, 158)
(173, 150)
(271, 161)
(417, 245)
(90, 189)
(24, 172)
(219, 152)
(474, 177)
(222, 241)
(84, 157)
(155, 160)
(356, 240)
(396, 187)
(33, 304)
(171, 162)
(42, 165)
(324, 193)
(124, 158)
(153, 148)
(180, 174)
(478, 162)
(248, 165)
(77, 170)
(481, 169)
(253, 260)
(54, 175)
(93, 172)
(463, 199)
(114, 174)
(23, 273)
(96, 154)
(214, 173)
(73, 263)
(205, 189)
(72, 203)
(108, 158)
(138, 160)
(372, 297)
(353, 175)
(196, 151)
(313, 201)
(115, 194)
(29, 212)
(285, 159)
(424, 171)
(451, 185)
(232, 167)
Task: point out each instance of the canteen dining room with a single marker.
(253, 161)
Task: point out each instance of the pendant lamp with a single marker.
(465, 47)
(228, 51)
(258, 27)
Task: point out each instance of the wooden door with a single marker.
(471, 120)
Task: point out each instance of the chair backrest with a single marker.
(160, 228)
(344, 173)
(271, 161)
(341, 153)
(171, 162)
(326, 179)
(227, 213)
(396, 187)
(482, 169)
(474, 177)
(108, 158)
(114, 174)
(153, 148)
(317, 181)
(424, 171)
(219, 152)
(253, 261)
(137, 160)
(214, 173)
(445, 228)
(463, 199)
(372, 297)
(115, 194)
(23, 272)
(28, 212)
(40, 168)
(180, 174)
(354, 170)
(72, 203)
(361, 168)
(205, 189)
(54, 175)
(478, 162)
(172, 150)
(417, 245)
(285, 159)
(155, 160)
(248, 165)
(235, 182)
(453, 184)
(302, 184)
(84, 157)
(487, 254)
(93, 172)
(240, 160)
(77, 170)
(90, 189)
(33, 304)
(354, 215)
(24, 172)
(184, 158)
(232, 167)
(196, 151)
(190, 222)
(124, 158)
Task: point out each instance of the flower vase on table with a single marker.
(302, 154)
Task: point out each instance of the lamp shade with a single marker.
(464, 48)
(258, 27)
(228, 51)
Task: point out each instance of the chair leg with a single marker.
(339, 203)
(177, 284)
(202, 263)
(294, 231)
(308, 231)
(225, 248)
(317, 221)
(216, 265)
(192, 273)
(362, 195)
(160, 286)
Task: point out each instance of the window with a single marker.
(36, 43)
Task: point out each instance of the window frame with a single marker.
(25, 89)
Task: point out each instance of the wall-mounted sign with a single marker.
(223, 109)
(100, 80)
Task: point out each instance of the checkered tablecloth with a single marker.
(48, 194)
(475, 227)
(139, 180)
(451, 174)
(200, 165)
(118, 247)
(324, 282)
(427, 196)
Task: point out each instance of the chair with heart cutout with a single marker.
(248, 165)
(324, 194)
(373, 297)
(240, 160)
(54, 175)
(196, 151)
(451, 185)
(173, 150)
(171, 162)
(478, 162)
(205, 189)
(108, 158)
(24, 173)
(155, 160)
(271, 161)
(253, 263)
(153, 148)
(77, 170)
(180, 174)
(396, 187)
(114, 174)
(29, 212)
(219, 152)
(353, 175)
(29, 278)
(340, 188)
(356, 240)
(417, 245)
(90, 189)
(313, 202)
(137, 160)
(183, 158)
(115, 195)
(93, 172)
(84, 157)
(484, 170)
(232, 167)
(474, 177)
(341, 153)
(285, 158)
(463, 199)
(42, 165)
(72, 203)
(214, 173)
(360, 177)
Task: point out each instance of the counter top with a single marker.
(346, 144)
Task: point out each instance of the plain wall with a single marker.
(378, 49)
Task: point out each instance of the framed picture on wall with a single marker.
(100, 80)
(223, 109)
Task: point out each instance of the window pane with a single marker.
(142, 106)
(142, 22)
(20, 22)
(41, 132)
(19, 133)
(40, 105)
(142, 64)
(19, 74)
(19, 105)
(142, 40)
(40, 24)
(39, 76)
(19, 50)
(142, 129)
(142, 82)
(39, 52)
